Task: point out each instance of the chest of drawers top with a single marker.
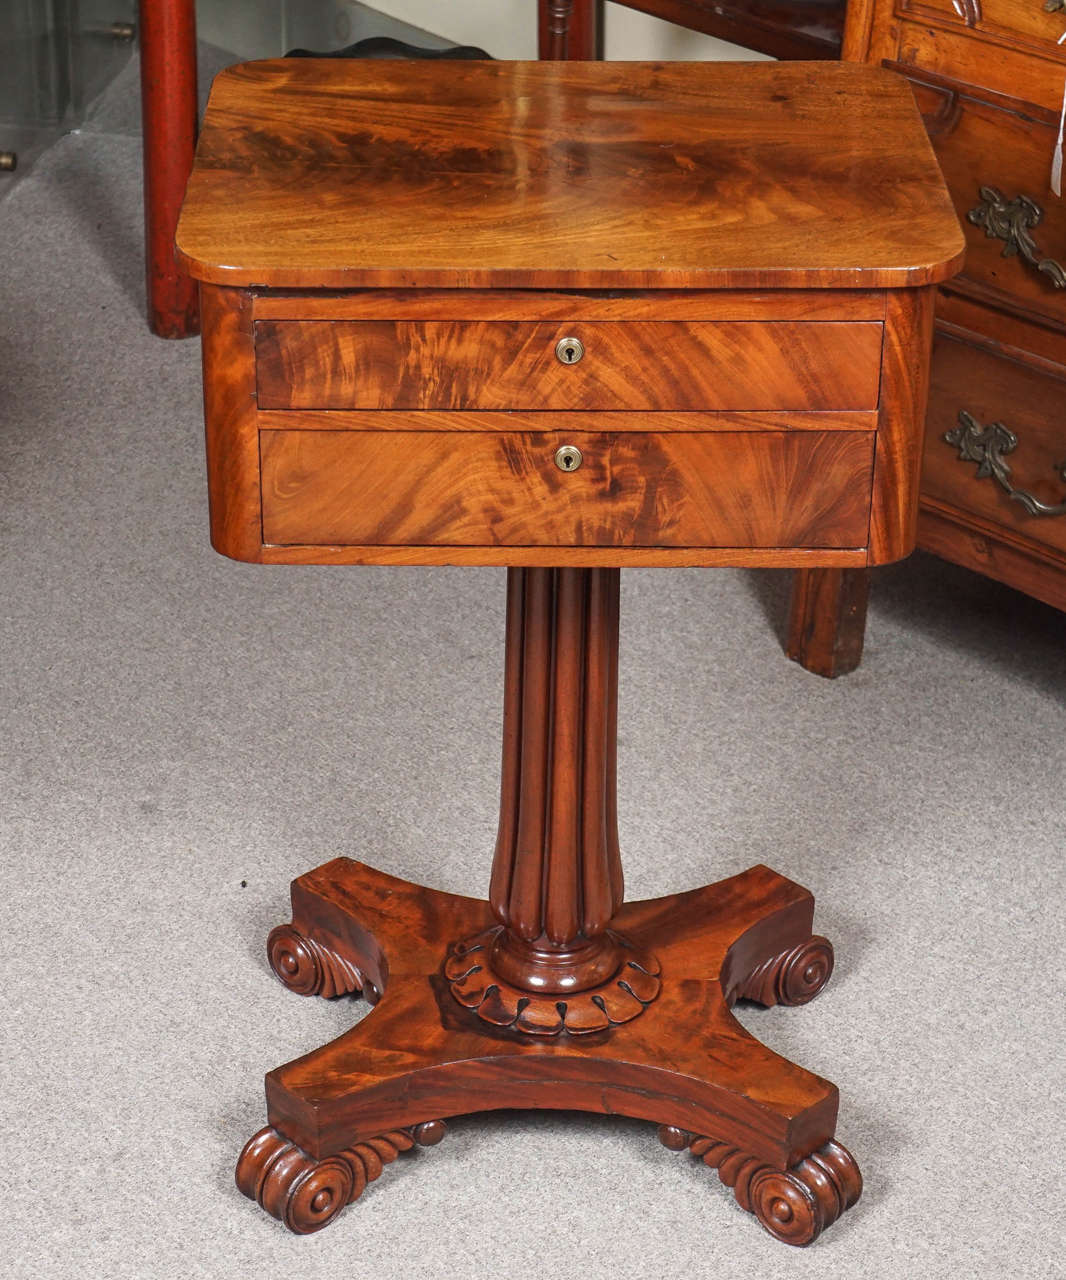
(334, 174)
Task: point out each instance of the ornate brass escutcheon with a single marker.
(1010, 221)
(986, 446)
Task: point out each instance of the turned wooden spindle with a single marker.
(559, 15)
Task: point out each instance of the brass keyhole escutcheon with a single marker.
(568, 457)
(569, 350)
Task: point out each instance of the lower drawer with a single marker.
(1008, 422)
(631, 489)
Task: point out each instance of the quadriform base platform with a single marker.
(563, 318)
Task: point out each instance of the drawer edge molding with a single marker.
(987, 446)
(575, 557)
(553, 421)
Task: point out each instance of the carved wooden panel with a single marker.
(514, 365)
(770, 489)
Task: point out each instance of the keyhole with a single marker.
(568, 457)
(569, 350)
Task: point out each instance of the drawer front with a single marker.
(765, 489)
(1025, 22)
(1028, 405)
(513, 365)
(996, 163)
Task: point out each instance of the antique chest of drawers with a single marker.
(989, 77)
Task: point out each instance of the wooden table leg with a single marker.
(827, 619)
(553, 994)
(169, 116)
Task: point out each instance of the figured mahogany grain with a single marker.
(230, 418)
(771, 489)
(335, 174)
(382, 364)
(904, 391)
(562, 421)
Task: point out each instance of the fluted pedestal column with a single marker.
(553, 962)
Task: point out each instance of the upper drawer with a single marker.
(1030, 20)
(997, 163)
(396, 364)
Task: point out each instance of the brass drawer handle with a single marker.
(986, 446)
(1010, 221)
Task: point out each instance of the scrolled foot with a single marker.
(307, 1194)
(795, 1205)
(310, 968)
(793, 977)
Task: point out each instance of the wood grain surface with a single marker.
(904, 390)
(531, 420)
(641, 365)
(232, 430)
(770, 489)
(333, 174)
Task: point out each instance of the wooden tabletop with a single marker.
(341, 174)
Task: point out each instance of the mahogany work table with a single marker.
(563, 317)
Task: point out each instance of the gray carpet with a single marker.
(181, 735)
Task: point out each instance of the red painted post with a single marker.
(169, 114)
